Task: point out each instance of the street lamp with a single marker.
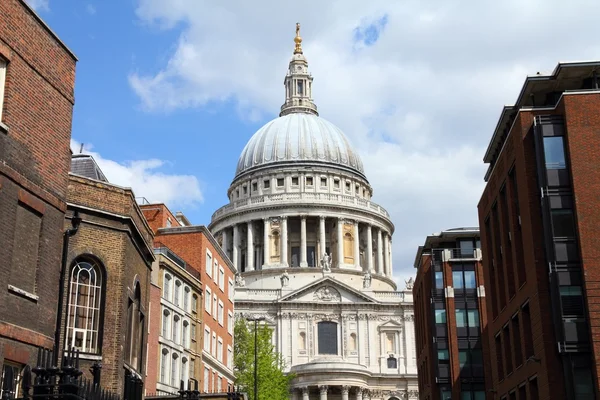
(255, 320)
(75, 222)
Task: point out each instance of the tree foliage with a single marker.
(273, 383)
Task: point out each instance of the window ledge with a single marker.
(84, 356)
(3, 127)
(21, 292)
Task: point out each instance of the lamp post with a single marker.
(75, 222)
(255, 320)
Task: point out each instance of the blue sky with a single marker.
(169, 92)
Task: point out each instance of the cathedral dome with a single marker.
(299, 138)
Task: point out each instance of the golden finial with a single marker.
(298, 40)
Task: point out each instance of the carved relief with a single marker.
(327, 293)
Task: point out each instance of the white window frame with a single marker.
(221, 313)
(207, 342)
(229, 357)
(3, 67)
(214, 344)
(230, 322)
(215, 306)
(216, 271)
(221, 279)
(231, 289)
(206, 379)
(220, 349)
(207, 299)
(167, 282)
(208, 263)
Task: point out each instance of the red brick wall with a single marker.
(157, 216)
(154, 325)
(583, 145)
(34, 164)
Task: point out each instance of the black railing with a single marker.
(195, 394)
(64, 383)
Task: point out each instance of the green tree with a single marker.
(273, 383)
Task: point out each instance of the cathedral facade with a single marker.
(314, 256)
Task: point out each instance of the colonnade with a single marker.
(377, 260)
(357, 392)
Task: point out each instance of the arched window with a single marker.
(164, 365)
(392, 362)
(165, 323)
(352, 344)
(348, 248)
(176, 293)
(175, 329)
(174, 377)
(167, 287)
(184, 335)
(135, 330)
(83, 318)
(302, 341)
(275, 246)
(327, 333)
(186, 298)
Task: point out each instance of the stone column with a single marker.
(250, 248)
(370, 249)
(303, 241)
(356, 247)
(322, 243)
(379, 252)
(345, 391)
(386, 257)
(234, 250)
(359, 393)
(391, 261)
(266, 255)
(224, 243)
(340, 243)
(284, 242)
(304, 393)
(323, 392)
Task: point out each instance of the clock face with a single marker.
(299, 68)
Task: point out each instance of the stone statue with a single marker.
(239, 281)
(326, 262)
(409, 283)
(367, 280)
(285, 279)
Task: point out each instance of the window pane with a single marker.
(473, 318)
(439, 280)
(476, 357)
(465, 395)
(446, 395)
(562, 223)
(554, 152)
(327, 332)
(457, 279)
(462, 357)
(470, 280)
(461, 319)
(440, 316)
(443, 355)
(466, 248)
(583, 381)
(479, 395)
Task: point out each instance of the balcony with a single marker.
(456, 254)
(300, 198)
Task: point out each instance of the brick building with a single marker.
(174, 331)
(196, 245)
(37, 75)
(450, 316)
(540, 226)
(107, 280)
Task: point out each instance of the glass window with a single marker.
(440, 316)
(221, 278)
(174, 363)
(194, 303)
(85, 295)
(254, 186)
(336, 183)
(554, 152)
(473, 318)
(300, 87)
(294, 180)
(463, 356)
(221, 313)
(163, 366)
(476, 357)
(323, 181)
(166, 287)
(457, 280)
(570, 290)
(466, 248)
(279, 182)
(392, 362)
(207, 300)
(208, 264)
(439, 280)
(443, 355)
(11, 380)
(267, 184)
(479, 395)
(470, 280)
(461, 318)
(327, 332)
(446, 395)
(583, 382)
(207, 339)
(309, 180)
(176, 293)
(2, 83)
(563, 224)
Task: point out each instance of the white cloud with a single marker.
(90, 8)
(420, 102)
(147, 180)
(39, 5)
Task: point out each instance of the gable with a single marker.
(327, 290)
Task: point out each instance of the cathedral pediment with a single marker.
(327, 290)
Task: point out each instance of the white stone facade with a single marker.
(314, 256)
